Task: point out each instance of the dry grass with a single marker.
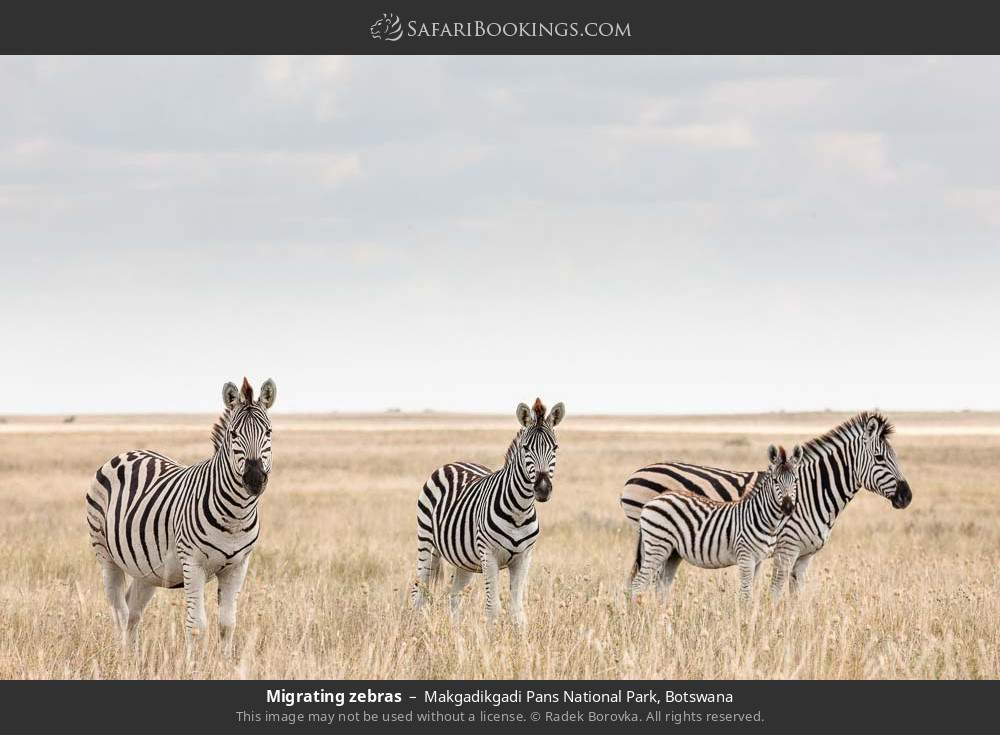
(909, 593)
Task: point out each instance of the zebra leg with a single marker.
(459, 581)
(194, 599)
(114, 586)
(666, 578)
(491, 575)
(428, 566)
(230, 584)
(655, 552)
(784, 557)
(138, 596)
(799, 572)
(518, 568)
(748, 569)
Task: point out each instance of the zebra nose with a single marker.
(903, 495)
(543, 487)
(254, 477)
(787, 505)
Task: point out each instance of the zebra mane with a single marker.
(853, 424)
(539, 409)
(515, 446)
(219, 430)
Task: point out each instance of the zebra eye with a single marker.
(268, 433)
(233, 434)
(880, 458)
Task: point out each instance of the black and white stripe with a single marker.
(483, 521)
(855, 455)
(165, 524)
(710, 533)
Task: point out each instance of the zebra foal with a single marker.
(482, 521)
(713, 534)
(165, 524)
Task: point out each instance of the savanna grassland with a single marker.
(896, 593)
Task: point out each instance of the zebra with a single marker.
(483, 521)
(854, 455)
(714, 534)
(165, 524)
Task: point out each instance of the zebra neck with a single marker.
(829, 471)
(514, 485)
(515, 488)
(224, 495)
(760, 502)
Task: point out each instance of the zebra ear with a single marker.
(797, 454)
(872, 428)
(268, 392)
(556, 414)
(772, 455)
(523, 414)
(230, 395)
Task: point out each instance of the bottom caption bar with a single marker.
(777, 706)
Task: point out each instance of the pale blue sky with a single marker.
(624, 234)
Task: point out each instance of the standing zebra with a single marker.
(854, 455)
(714, 534)
(169, 525)
(482, 521)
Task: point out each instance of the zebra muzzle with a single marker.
(903, 495)
(787, 506)
(543, 488)
(254, 477)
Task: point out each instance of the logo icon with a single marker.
(387, 28)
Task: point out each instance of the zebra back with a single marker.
(710, 482)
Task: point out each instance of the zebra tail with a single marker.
(97, 499)
(637, 564)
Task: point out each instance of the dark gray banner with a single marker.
(454, 27)
(499, 706)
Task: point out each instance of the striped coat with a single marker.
(165, 524)
(482, 521)
(854, 455)
(710, 533)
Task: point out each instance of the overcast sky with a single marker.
(623, 234)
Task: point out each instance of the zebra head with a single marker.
(387, 28)
(878, 468)
(783, 473)
(245, 432)
(537, 442)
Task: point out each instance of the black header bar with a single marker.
(510, 27)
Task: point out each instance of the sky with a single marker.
(624, 234)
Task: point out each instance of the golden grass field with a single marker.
(895, 594)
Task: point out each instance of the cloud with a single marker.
(860, 153)
(727, 135)
(296, 75)
(984, 204)
(768, 95)
(316, 80)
